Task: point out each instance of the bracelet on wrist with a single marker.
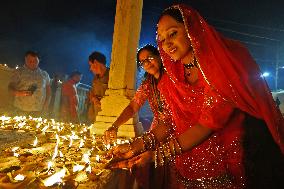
(114, 128)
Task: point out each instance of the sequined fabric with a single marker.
(222, 153)
(232, 87)
(227, 67)
(221, 182)
(147, 91)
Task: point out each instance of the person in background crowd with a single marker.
(54, 86)
(69, 98)
(97, 63)
(30, 86)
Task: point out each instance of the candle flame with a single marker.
(56, 178)
(81, 143)
(49, 165)
(78, 168)
(107, 146)
(19, 177)
(89, 169)
(56, 147)
(15, 148)
(97, 158)
(61, 154)
(35, 141)
(86, 157)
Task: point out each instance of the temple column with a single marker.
(121, 86)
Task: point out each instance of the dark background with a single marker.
(66, 32)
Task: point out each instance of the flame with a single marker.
(78, 168)
(86, 157)
(38, 125)
(56, 178)
(49, 165)
(89, 169)
(118, 141)
(52, 121)
(108, 146)
(81, 143)
(19, 177)
(45, 128)
(35, 141)
(97, 158)
(15, 149)
(73, 136)
(21, 125)
(61, 154)
(4, 118)
(71, 141)
(56, 147)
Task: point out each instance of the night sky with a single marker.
(66, 32)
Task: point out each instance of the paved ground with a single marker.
(13, 138)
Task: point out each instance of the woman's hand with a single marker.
(110, 134)
(137, 161)
(121, 152)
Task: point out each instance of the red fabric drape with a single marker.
(227, 66)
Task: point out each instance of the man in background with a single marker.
(30, 87)
(97, 63)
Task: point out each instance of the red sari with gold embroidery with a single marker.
(230, 87)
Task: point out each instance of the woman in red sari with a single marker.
(148, 58)
(215, 91)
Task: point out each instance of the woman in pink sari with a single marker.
(215, 91)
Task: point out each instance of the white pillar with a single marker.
(121, 86)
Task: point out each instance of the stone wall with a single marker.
(5, 99)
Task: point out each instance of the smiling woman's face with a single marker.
(173, 38)
(151, 62)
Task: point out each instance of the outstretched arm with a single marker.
(127, 113)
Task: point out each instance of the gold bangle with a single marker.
(178, 148)
(172, 147)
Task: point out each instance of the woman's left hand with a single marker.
(137, 161)
(121, 152)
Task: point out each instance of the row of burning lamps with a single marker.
(20, 122)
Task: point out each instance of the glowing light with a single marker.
(86, 157)
(4, 118)
(45, 128)
(81, 143)
(15, 148)
(89, 169)
(118, 141)
(19, 177)
(108, 146)
(56, 147)
(56, 178)
(35, 141)
(265, 74)
(49, 165)
(97, 158)
(61, 154)
(78, 168)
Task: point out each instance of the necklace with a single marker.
(190, 65)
